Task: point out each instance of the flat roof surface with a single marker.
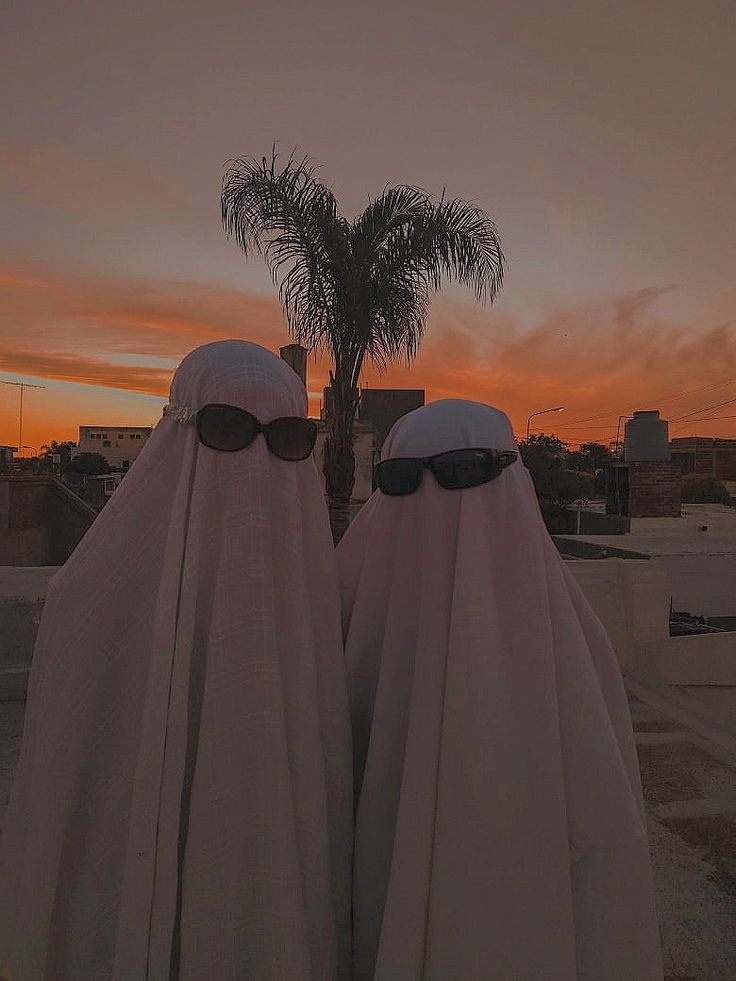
(707, 543)
(675, 536)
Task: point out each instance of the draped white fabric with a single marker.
(500, 828)
(182, 807)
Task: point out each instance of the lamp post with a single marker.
(541, 412)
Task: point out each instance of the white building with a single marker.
(120, 445)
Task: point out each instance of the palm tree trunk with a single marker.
(339, 469)
(339, 461)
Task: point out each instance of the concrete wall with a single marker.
(632, 601)
(702, 584)
(703, 660)
(41, 521)
(69, 519)
(695, 673)
(24, 531)
(22, 595)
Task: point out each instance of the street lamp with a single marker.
(542, 412)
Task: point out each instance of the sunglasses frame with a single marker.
(260, 427)
(502, 459)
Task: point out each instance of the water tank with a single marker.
(646, 438)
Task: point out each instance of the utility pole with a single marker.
(22, 386)
(618, 432)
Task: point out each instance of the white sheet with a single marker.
(183, 802)
(500, 828)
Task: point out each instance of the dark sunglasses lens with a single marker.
(291, 438)
(465, 468)
(399, 476)
(226, 427)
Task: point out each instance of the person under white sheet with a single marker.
(500, 830)
(182, 807)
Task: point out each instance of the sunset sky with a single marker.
(599, 137)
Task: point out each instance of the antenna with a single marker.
(22, 386)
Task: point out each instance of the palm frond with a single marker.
(409, 244)
(357, 289)
(389, 212)
(290, 218)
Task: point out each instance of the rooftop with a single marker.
(116, 428)
(703, 529)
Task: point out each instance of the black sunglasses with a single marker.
(453, 470)
(229, 428)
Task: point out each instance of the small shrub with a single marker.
(703, 490)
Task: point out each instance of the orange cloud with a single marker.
(600, 360)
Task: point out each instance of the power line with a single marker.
(659, 398)
(707, 419)
(696, 422)
(570, 426)
(704, 408)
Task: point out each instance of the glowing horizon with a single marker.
(600, 360)
(599, 140)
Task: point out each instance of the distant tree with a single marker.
(92, 464)
(49, 450)
(697, 489)
(27, 464)
(557, 485)
(590, 458)
(545, 457)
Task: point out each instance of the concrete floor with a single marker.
(689, 778)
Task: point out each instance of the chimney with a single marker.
(296, 357)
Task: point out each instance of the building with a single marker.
(6, 454)
(706, 456)
(382, 407)
(120, 445)
(378, 410)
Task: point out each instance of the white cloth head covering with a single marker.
(500, 829)
(183, 802)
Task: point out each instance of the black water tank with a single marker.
(646, 438)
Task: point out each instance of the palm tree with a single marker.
(355, 289)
